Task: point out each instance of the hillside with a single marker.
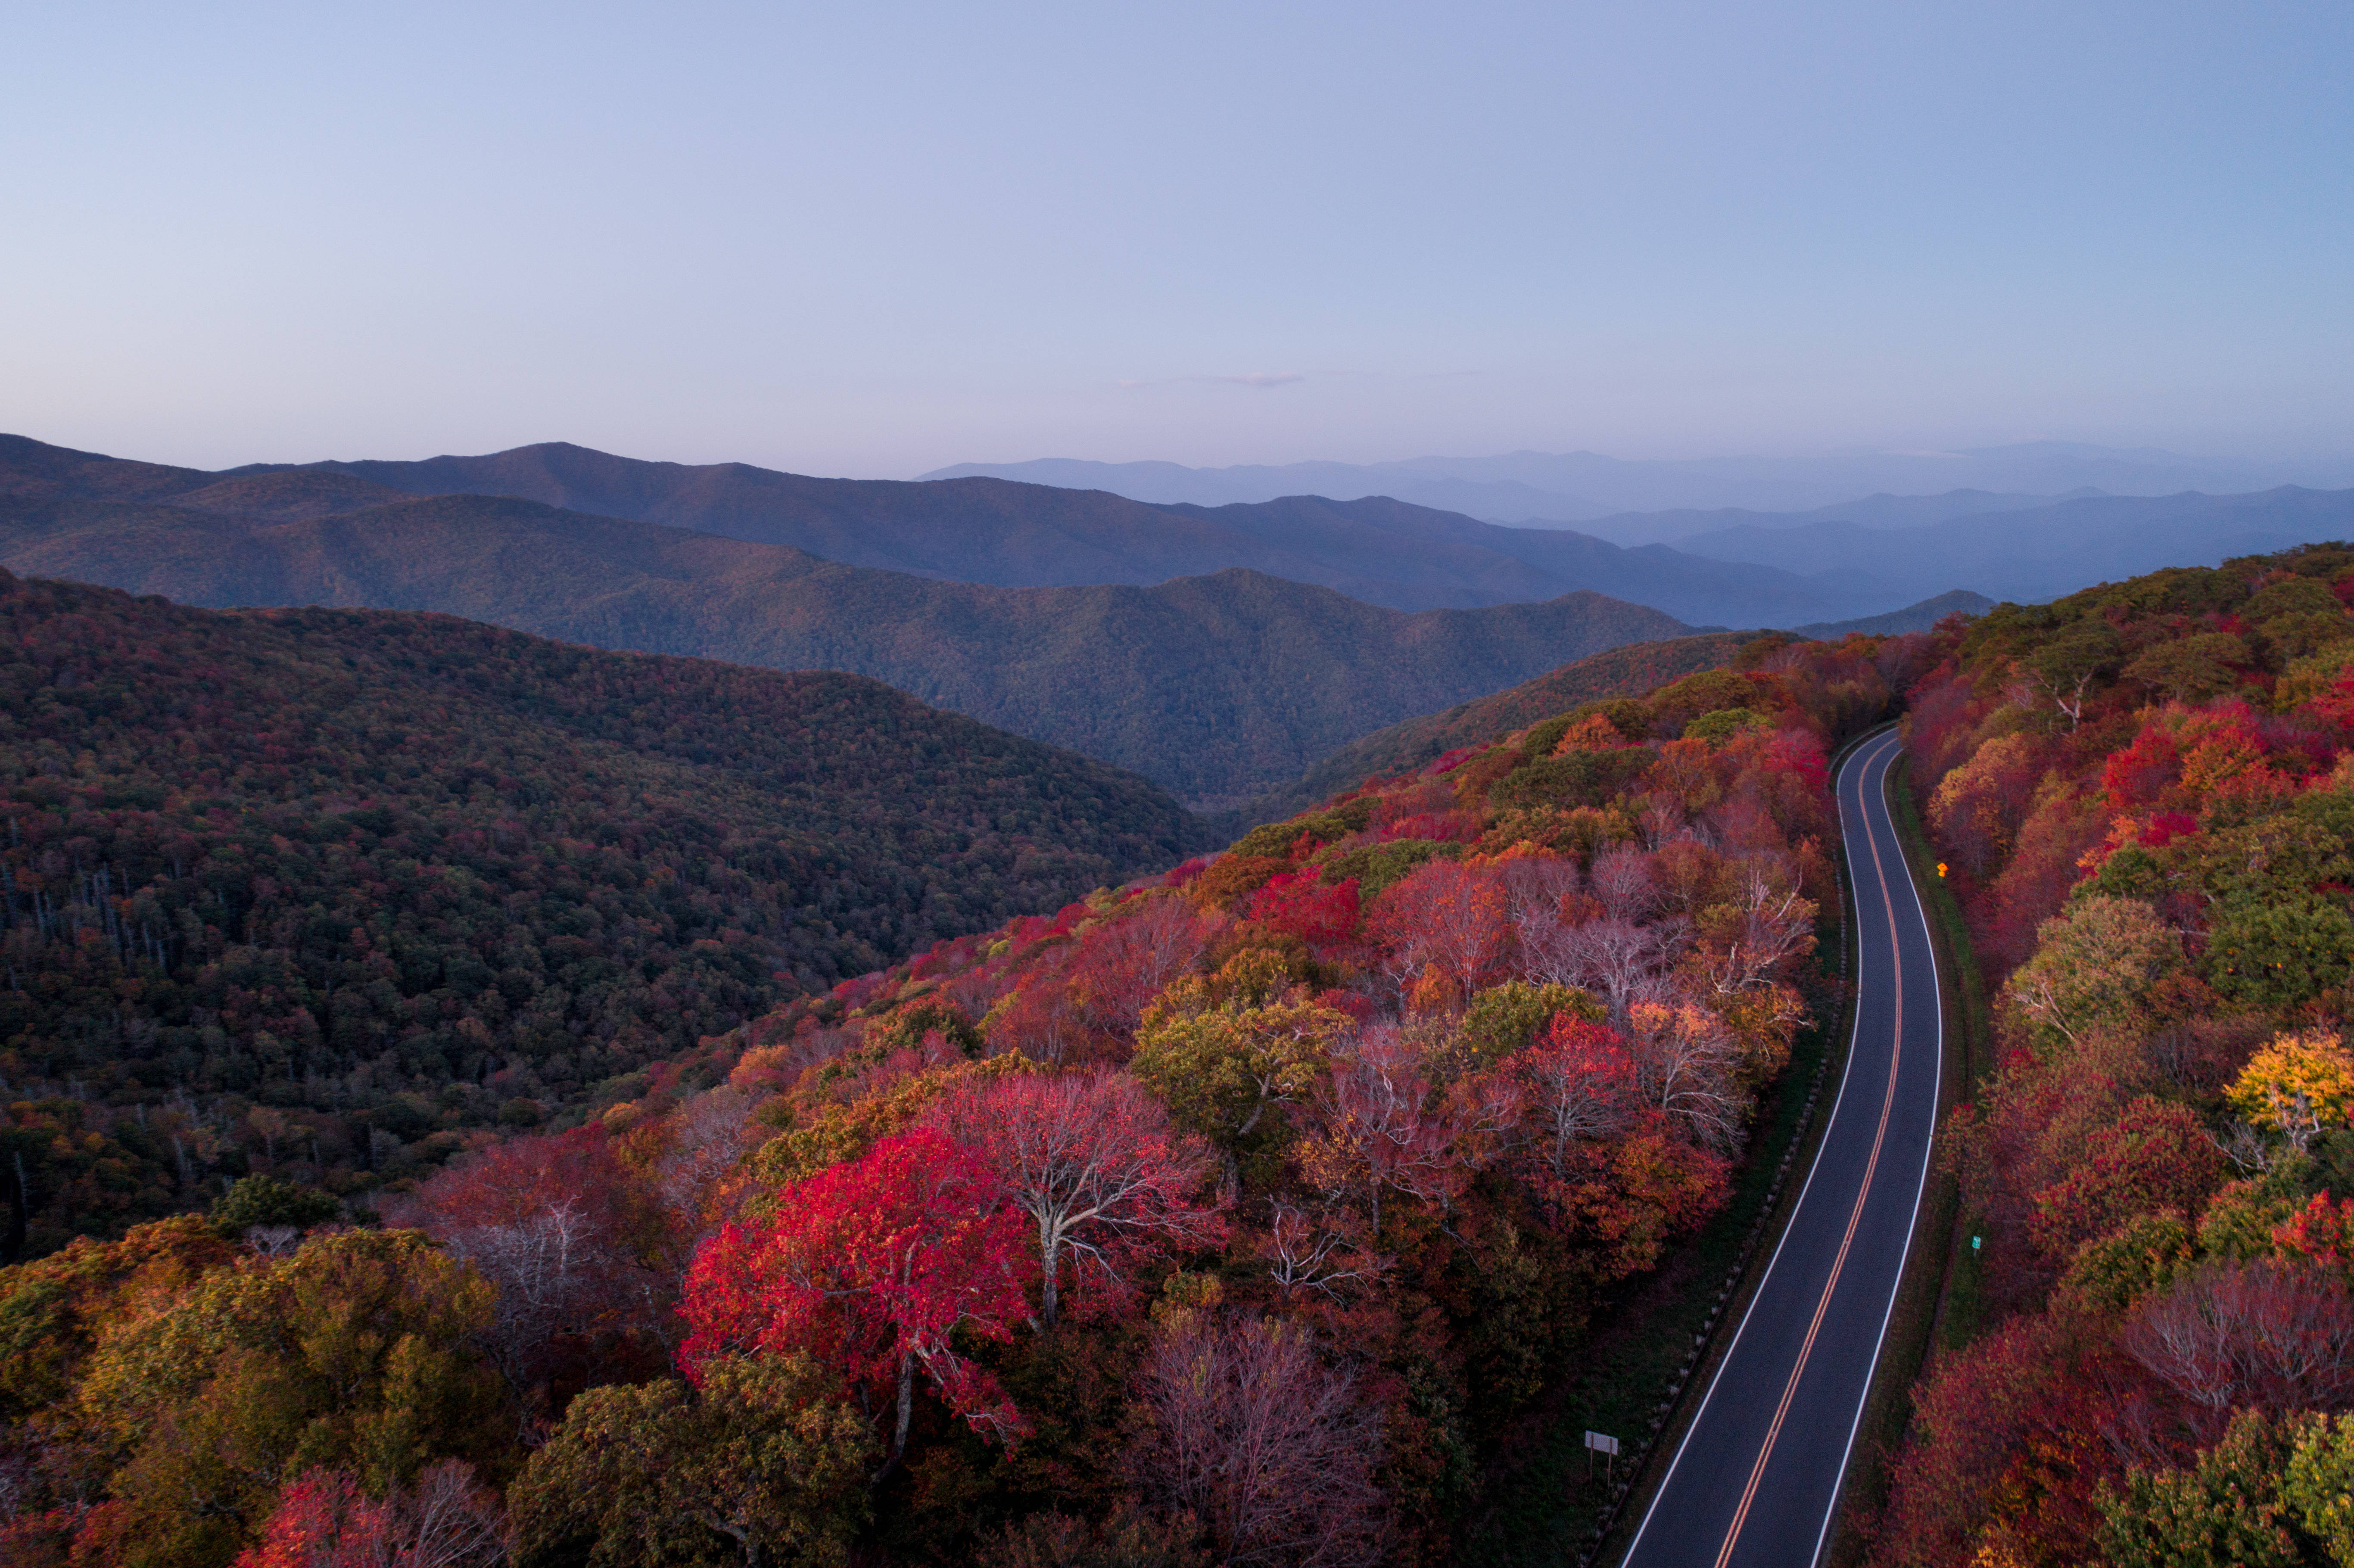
(2142, 795)
(1215, 687)
(1329, 1164)
(1625, 671)
(359, 881)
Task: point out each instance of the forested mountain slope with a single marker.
(1630, 670)
(1248, 1213)
(361, 884)
(2145, 796)
(1215, 687)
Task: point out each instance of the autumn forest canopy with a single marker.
(2145, 792)
(485, 1099)
(1326, 1149)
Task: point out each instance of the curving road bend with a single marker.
(1756, 1478)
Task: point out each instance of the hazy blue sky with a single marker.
(876, 239)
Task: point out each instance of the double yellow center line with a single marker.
(1855, 1216)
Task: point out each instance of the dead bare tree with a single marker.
(1767, 926)
(1325, 1253)
(1613, 956)
(1688, 1065)
(1272, 1449)
(2238, 1334)
(1626, 880)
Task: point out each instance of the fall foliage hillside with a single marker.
(1632, 669)
(1243, 1212)
(2144, 795)
(347, 887)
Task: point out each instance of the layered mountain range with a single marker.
(1217, 686)
(1012, 534)
(1221, 652)
(1730, 567)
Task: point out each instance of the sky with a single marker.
(872, 240)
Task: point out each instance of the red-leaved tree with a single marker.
(1578, 1086)
(1122, 964)
(1443, 916)
(1090, 1157)
(324, 1520)
(872, 1266)
(2155, 1156)
(1300, 903)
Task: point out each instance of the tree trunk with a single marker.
(1050, 1297)
(907, 1403)
(899, 1427)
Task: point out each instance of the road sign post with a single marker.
(1602, 1443)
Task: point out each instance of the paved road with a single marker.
(1757, 1477)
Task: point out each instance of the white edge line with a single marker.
(1854, 1031)
(1937, 990)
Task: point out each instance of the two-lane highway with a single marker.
(1757, 1477)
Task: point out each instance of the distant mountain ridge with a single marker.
(1585, 487)
(1858, 559)
(1015, 534)
(2046, 552)
(1214, 686)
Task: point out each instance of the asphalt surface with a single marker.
(1755, 1480)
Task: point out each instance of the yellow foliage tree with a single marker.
(2297, 1083)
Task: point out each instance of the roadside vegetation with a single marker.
(2145, 797)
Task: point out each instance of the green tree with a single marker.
(2191, 669)
(2318, 1486)
(2227, 1511)
(1504, 1018)
(353, 1353)
(2279, 953)
(2093, 967)
(1226, 1072)
(2142, 1256)
(2064, 669)
(1722, 725)
(267, 1201)
(765, 1464)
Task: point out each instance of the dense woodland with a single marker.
(335, 894)
(1233, 1215)
(2145, 793)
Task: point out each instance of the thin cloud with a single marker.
(1260, 379)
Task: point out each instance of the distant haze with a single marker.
(873, 241)
(1584, 487)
